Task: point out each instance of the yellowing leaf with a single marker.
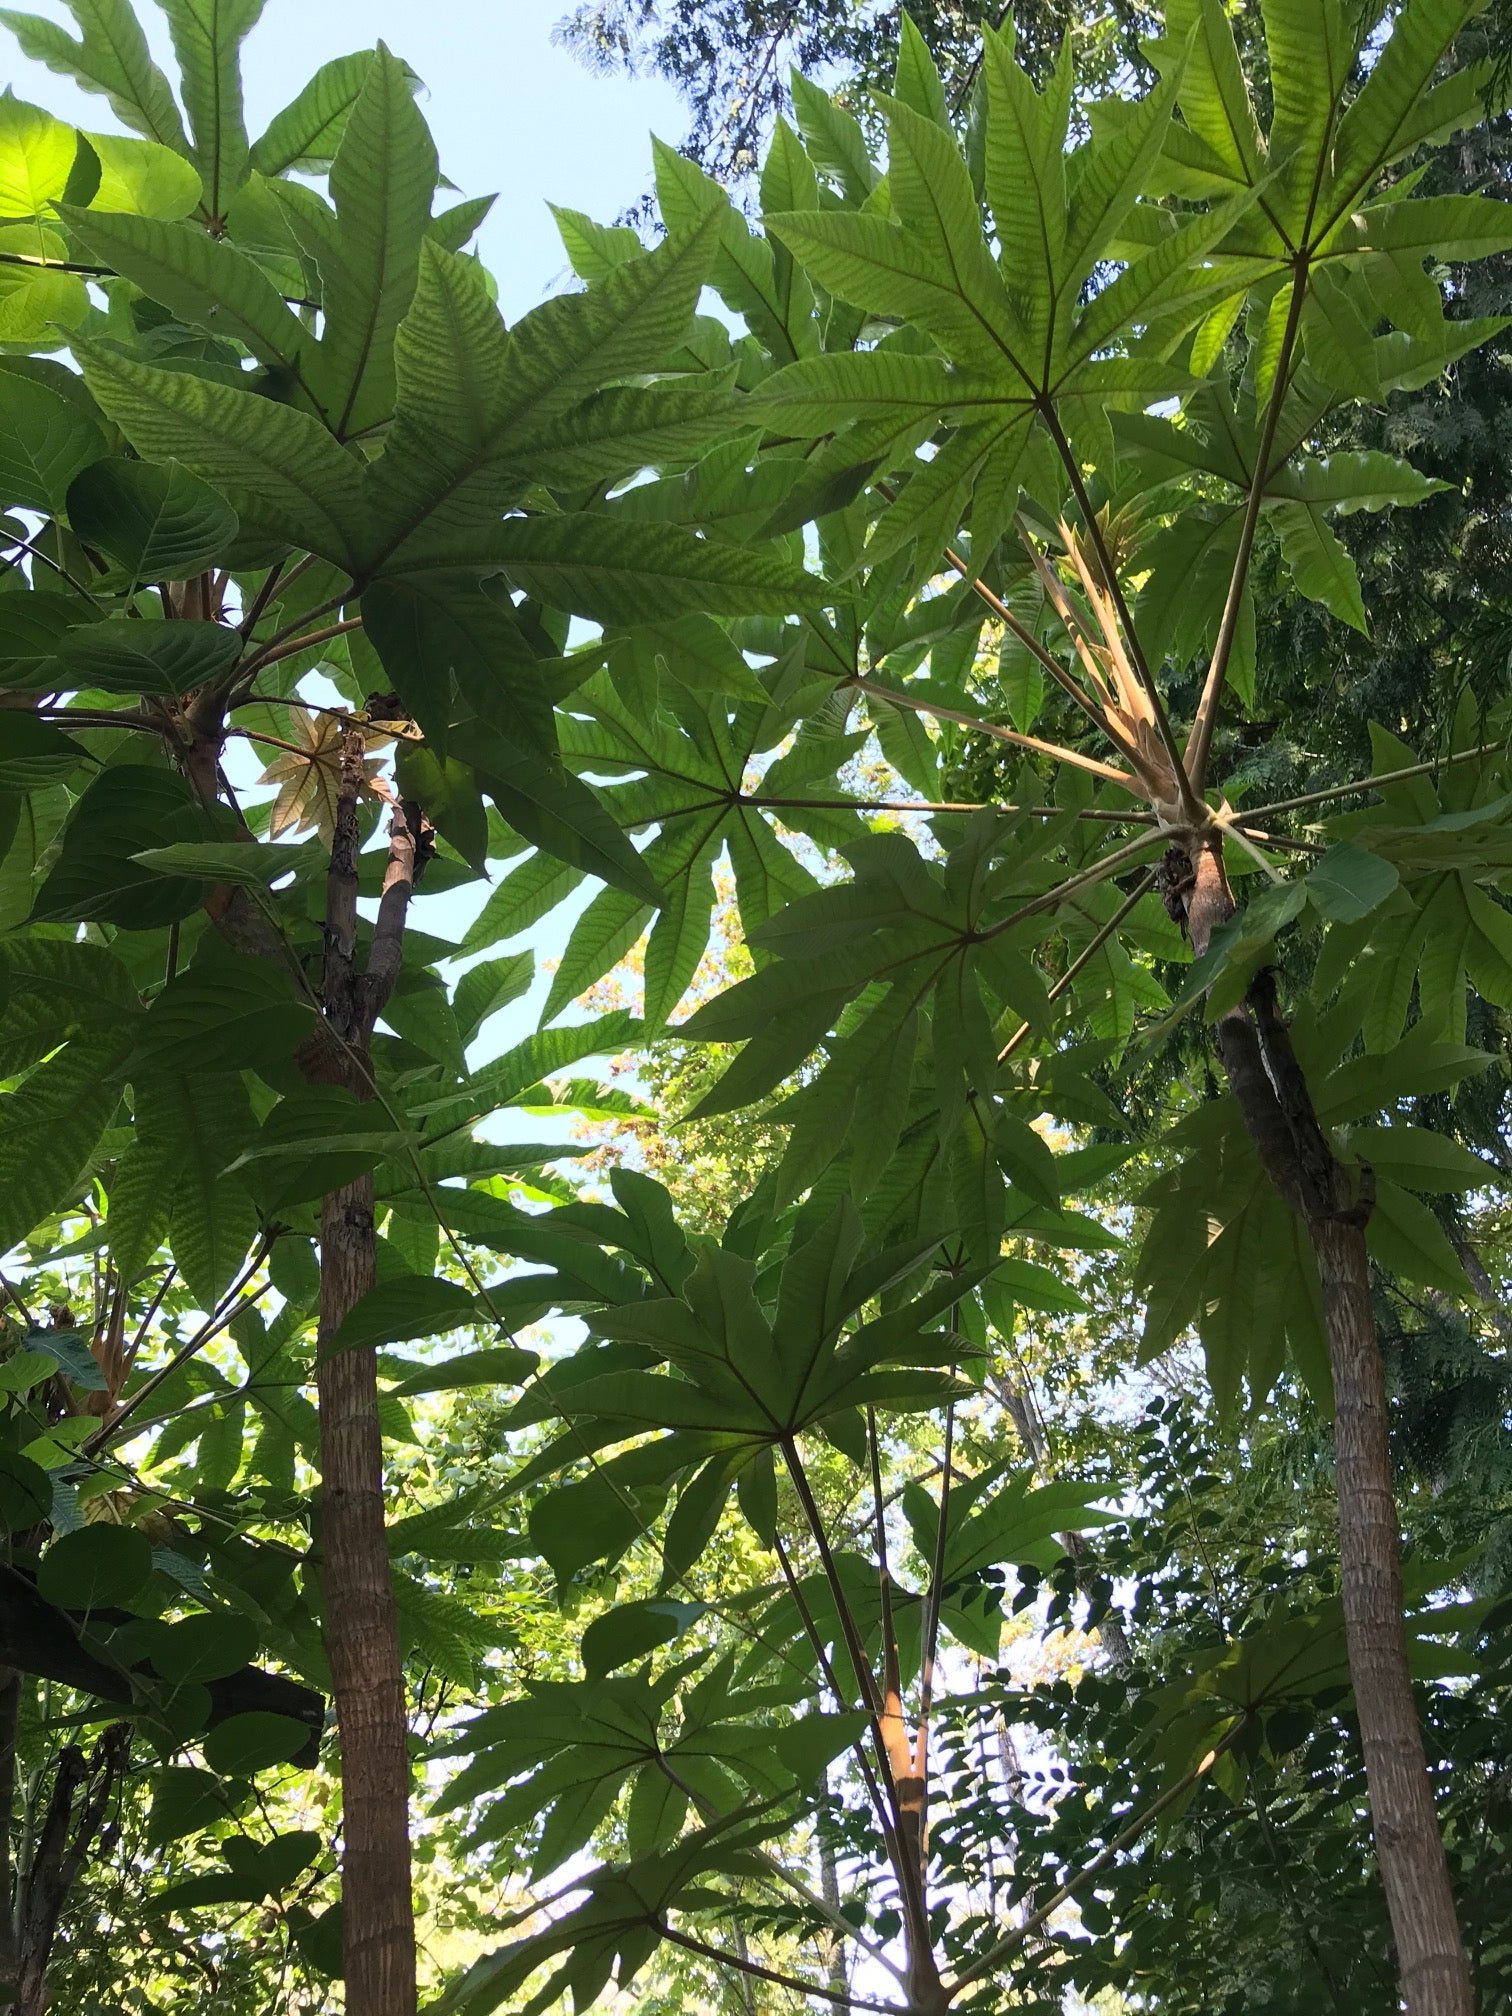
(309, 779)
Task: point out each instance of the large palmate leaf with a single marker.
(207, 39)
(278, 468)
(383, 176)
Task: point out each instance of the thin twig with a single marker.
(1021, 1034)
(1368, 784)
(1073, 756)
(295, 645)
(231, 1305)
(754, 1967)
(1098, 872)
(1200, 741)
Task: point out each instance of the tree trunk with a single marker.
(82, 1789)
(362, 1630)
(1295, 1152)
(361, 1623)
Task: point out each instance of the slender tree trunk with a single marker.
(81, 1793)
(829, 1890)
(1295, 1152)
(361, 1623)
(362, 1630)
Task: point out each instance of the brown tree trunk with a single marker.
(361, 1623)
(1295, 1152)
(362, 1630)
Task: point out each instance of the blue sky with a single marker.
(509, 112)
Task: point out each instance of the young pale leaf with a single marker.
(110, 56)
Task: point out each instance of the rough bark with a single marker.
(362, 1631)
(361, 1623)
(1296, 1154)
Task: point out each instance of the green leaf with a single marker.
(617, 571)
(203, 280)
(95, 879)
(419, 1010)
(486, 988)
(49, 1128)
(1312, 52)
(45, 440)
(1405, 1238)
(382, 179)
(631, 1630)
(226, 1013)
(36, 158)
(141, 1192)
(1419, 1159)
(552, 809)
(243, 1745)
(207, 39)
(447, 791)
(25, 1369)
(1214, 97)
(580, 1523)
(37, 302)
(110, 56)
(414, 1305)
(1320, 567)
(157, 521)
(880, 267)
(1348, 883)
(1347, 482)
(141, 177)
(306, 134)
(279, 469)
(164, 659)
(34, 753)
(98, 1567)
(184, 1801)
(203, 1648)
(54, 988)
(1025, 175)
(33, 625)
(196, 1123)
(503, 1365)
(25, 1493)
(441, 632)
(527, 893)
(1383, 122)
(247, 864)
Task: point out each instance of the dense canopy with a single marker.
(935, 1437)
